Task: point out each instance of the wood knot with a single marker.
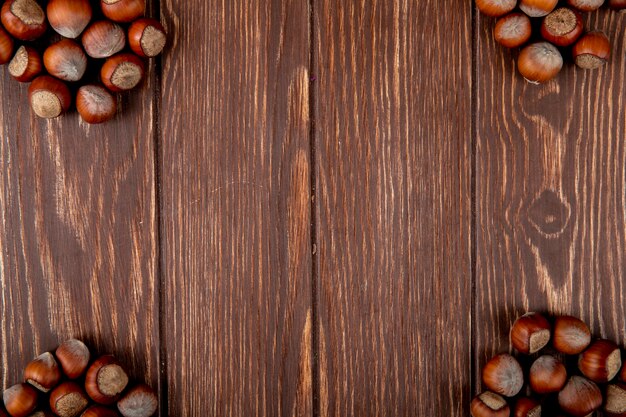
(549, 214)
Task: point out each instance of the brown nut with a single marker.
(503, 375)
(43, 372)
(20, 400)
(73, 356)
(24, 19)
(65, 60)
(69, 17)
(68, 400)
(25, 65)
(122, 72)
(106, 379)
(527, 407)
(547, 375)
(580, 397)
(586, 5)
(139, 401)
(562, 27)
(513, 30)
(99, 411)
(6, 46)
(530, 333)
(592, 51)
(601, 361)
(124, 11)
(617, 4)
(539, 62)
(496, 8)
(571, 335)
(95, 104)
(103, 39)
(537, 8)
(615, 400)
(49, 97)
(489, 404)
(146, 37)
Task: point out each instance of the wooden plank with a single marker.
(78, 233)
(393, 219)
(550, 181)
(235, 178)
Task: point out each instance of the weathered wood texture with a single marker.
(550, 192)
(78, 248)
(393, 200)
(235, 179)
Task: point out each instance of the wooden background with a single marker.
(316, 208)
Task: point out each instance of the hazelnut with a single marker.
(615, 403)
(562, 27)
(513, 30)
(489, 404)
(537, 8)
(139, 401)
(65, 60)
(124, 11)
(601, 361)
(538, 63)
(6, 46)
(49, 97)
(103, 39)
(580, 397)
(73, 355)
(20, 400)
(43, 372)
(586, 5)
(24, 19)
(106, 379)
(25, 65)
(530, 333)
(122, 72)
(99, 411)
(69, 17)
(547, 374)
(592, 50)
(571, 335)
(146, 38)
(503, 375)
(95, 104)
(68, 400)
(527, 407)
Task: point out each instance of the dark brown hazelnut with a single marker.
(527, 407)
(513, 30)
(24, 19)
(103, 39)
(615, 400)
(99, 411)
(73, 356)
(124, 11)
(592, 51)
(49, 97)
(547, 375)
(65, 60)
(122, 72)
(580, 397)
(69, 17)
(20, 400)
(95, 104)
(146, 37)
(530, 333)
(571, 335)
(503, 375)
(43, 372)
(106, 380)
(562, 27)
(68, 400)
(6, 46)
(601, 361)
(139, 401)
(25, 65)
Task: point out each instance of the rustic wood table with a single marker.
(316, 208)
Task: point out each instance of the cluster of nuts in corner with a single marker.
(68, 384)
(103, 27)
(559, 29)
(575, 376)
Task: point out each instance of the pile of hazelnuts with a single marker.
(575, 376)
(68, 384)
(560, 27)
(104, 30)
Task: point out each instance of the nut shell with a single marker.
(69, 17)
(147, 37)
(592, 51)
(139, 401)
(571, 336)
(25, 65)
(527, 407)
(122, 72)
(43, 372)
(513, 30)
(547, 374)
(49, 97)
(95, 104)
(617, 4)
(124, 11)
(562, 27)
(531, 332)
(65, 60)
(68, 400)
(496, 8)
(615, 400)
(24, 19)
(106, 379)
(103, 39)
(539, 62)
(99, 411)
(580, 397)
(585, 5)
(489, 404)
(20, 400)
(73, 356)
(537, 8)
(6, 46)
(503, 375)
(601, 361)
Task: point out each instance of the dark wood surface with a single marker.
(316, 208)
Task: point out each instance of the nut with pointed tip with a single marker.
(513, 30)
(571, 336)
(6, 46)
(615, 400)
(547, 374)
(527, 407)
(103, 39)
(68, 400)
(69, 17)
(122, 72)
(105, 380)
(95, 104)
(99, 411)
(146, 37)
(586, 5)
(140, 401)
(49, 97)
(24, 19)
(124, 11)
(592, 50)
(580, 397)
(20, 400)
(537, 8)
(562, 27)
(601, 361)
(538, 63)
(496, 8)
(503, 375)
(531, 332)
(73, 356)
(25, 65)
(43, 372)
(489, 404)
(65, 60)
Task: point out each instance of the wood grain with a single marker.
(235, 177)
(393, 207)
(550, 199)
(78, 247)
